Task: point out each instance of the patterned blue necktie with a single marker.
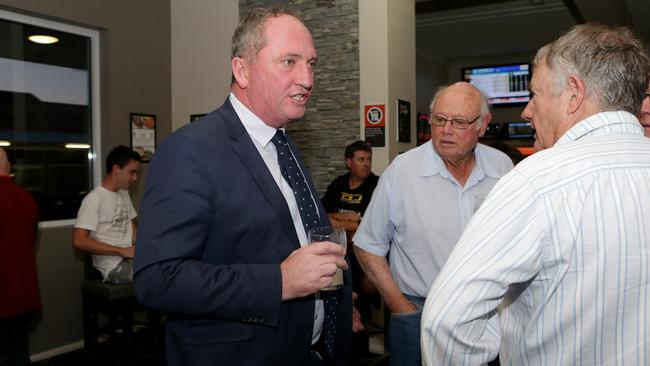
(292, 174)
(309, 215)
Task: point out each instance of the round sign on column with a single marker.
(375, 124)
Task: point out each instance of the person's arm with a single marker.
(134, 228)
(82, 240)
(500, 247)
(348, 221)
(377, 269)
(372, 243)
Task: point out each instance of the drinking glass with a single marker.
(334, 235)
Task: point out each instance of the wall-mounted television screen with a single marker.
(510, 130)
(504, 85)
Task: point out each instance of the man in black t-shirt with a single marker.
(347, 197)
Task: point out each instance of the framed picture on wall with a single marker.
(403, 121)
(143, 134)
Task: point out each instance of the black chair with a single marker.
(119, 304)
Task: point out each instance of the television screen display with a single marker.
(520, 130)
(510, 130)
(504, 85)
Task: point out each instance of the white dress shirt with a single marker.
(559, 250)
(261, 134)
(418, 212)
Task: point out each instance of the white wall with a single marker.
(200, 41)
(387, 67)
(401, 68)
(373, 62)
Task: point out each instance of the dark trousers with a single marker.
(13, 340)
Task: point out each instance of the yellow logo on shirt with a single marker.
(351, 197)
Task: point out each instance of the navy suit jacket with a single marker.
(214, 228)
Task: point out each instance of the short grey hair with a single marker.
(610, 60)
(248, 37)
(485, 106)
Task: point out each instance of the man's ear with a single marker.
(485, 121)
(240, 71)
(115, 169)
(576, 88)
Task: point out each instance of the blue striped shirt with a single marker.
(559, 252)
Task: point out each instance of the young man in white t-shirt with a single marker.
(105, 226)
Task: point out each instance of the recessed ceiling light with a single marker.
(77, 146)
(41, 39)
(5, 143)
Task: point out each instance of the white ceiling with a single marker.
(516, 27)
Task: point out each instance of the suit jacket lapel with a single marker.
(250, 157)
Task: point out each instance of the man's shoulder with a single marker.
(493, 159)
(554, 167)
(340, 182)
(8, 187)
(212, 124)
(622, 149)
(95, 194)
(414, 155)
(405, 166)
(124, 194)
(492, 153)
(372, 179)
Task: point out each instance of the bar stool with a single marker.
(119, 303)
(116, 301)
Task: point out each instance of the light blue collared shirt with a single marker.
(419, 210)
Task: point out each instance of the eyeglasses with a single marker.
(457, 123)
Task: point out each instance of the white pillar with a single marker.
(387, 68)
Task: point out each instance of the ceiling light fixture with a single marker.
(77, 146)
(42, 39)
(5, 143)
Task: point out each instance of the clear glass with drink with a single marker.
(334, 235)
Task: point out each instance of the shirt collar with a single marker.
(602, 123)
(256, 128)
(432, 164)
(483, 163)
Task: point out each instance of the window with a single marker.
(49, 112)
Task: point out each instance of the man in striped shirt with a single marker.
(554, 268)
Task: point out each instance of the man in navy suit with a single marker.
(221, 245)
